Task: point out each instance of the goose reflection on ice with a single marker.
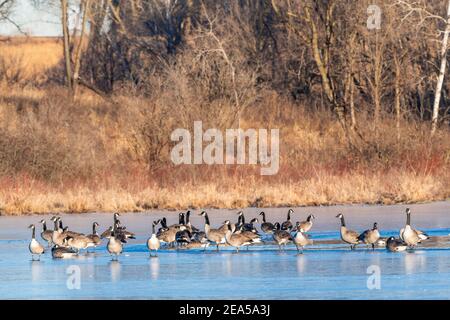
(36, 271)
(115, 269)
(154, 268)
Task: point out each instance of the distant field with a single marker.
(31, 56)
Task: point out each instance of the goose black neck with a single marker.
(342, 221)
(181, 220)
(206, 219)
(188, 217)
(61, 224)
(163, 223)
(44, 226)
(242, 218)
(263, 217)
(153, 228)
(93, 229)
(408, 218)
(289, 215)
(309, 218)
(33, 233)
(55, 223)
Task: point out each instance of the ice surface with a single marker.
(326, 270)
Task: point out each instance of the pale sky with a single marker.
(34, 21)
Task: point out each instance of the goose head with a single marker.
(339, 216)
(203, 213)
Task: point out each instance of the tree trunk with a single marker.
(66, 43)
(397, 94)
(437, 97)
(76, 72)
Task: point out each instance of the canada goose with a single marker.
(395, 245)
(287, 225)
(106, 233)
(114, 246)
(370, 236)
(153, 243)
(80, 242)
(167, 234)
(236, 240)
(234, 226)
(163, 228)
(183, 236)
(58, 235)
(190, 227)
(249, 226)
(198, 240)
(281, 237)
(63, 252)
(251, 234)
(408, 234)
(35, 247)
(214, 235)
(307, 225)
(348, 236)
(66, 230)
(46, 234)
(239, 224)
(121, 231)
(94, 237)
(266, 227)
(301, 239)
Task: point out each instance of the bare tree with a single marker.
(442, 69)
(66, 43)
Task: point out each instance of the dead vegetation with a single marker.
(354, 120)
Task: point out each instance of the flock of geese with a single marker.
(65, 243)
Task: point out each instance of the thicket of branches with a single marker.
(316, 53)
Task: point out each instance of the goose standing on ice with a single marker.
(307, 225)
(281, 237)
(236, 240)
(46, 234)
(420, 234)
(301, 239)
(287, 225)
(153, 243)
(214, 235)
(114, 246)
(266, 227)
(409, 235)
(35, 247)
(371, 236)
(347, 235)
(94, 237)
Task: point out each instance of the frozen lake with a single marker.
(326, 270)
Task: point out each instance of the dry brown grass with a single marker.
(30, 57)
(59, 154)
